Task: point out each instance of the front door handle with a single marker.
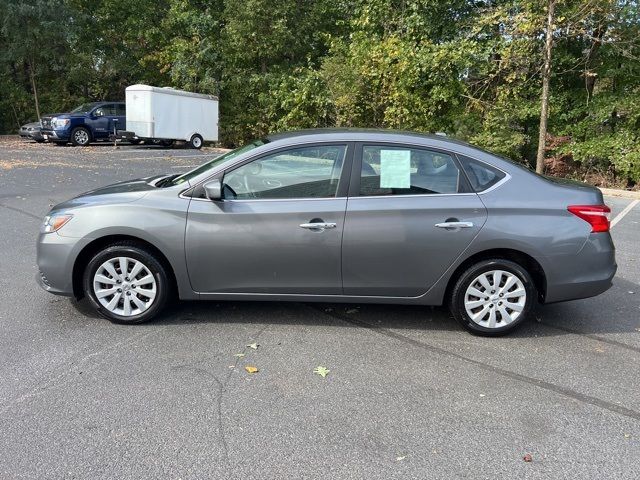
(453, 225)
(317, 226)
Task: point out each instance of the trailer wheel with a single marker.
(167, 143)
(196, 141)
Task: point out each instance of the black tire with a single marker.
(59, 144)
(167, 143)
(196, 141)
(135, 141)
(464, 281)
(80, 137)
(39, 140)
(153, 265)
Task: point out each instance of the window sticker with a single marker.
(395, 168)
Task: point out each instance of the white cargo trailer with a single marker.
(165, 115)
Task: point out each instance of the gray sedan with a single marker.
(340, 216)
(32, 131)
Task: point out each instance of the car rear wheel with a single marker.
(196, 141)
(126, 283)
(80, 137)
(493, 297)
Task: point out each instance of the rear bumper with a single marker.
(586, 274)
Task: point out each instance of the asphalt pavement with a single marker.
(409, 394)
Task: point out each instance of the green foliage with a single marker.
(468, 68)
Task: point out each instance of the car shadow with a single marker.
(598, 315)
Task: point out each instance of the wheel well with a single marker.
(95, 246)
(526, 261)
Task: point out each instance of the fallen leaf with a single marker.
(599, 349)
(528, 458)
(240, 355)
(253, 345)
(399, 459)
(322, 371)
(251, 369)
(627, 435)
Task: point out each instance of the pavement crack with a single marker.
(222, 389)
(24, 212)
(566, 392)
(63, 379)
(593, 337)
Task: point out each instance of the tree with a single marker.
(34, 39)
(546, 78)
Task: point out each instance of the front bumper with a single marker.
(55, 135)
(56, 256)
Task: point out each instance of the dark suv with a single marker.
(85, 124)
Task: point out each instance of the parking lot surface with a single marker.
(409, 394)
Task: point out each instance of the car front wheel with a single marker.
(126, 283)
(493, 297)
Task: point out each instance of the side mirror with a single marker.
(213, 189)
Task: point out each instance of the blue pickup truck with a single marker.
(90, 122)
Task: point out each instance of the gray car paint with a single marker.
(391, 251)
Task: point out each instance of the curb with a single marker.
(612, 192)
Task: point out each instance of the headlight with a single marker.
(53, 223)
(60, 122)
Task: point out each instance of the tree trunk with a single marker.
(32, 75)
(544, 98)
(589, 76)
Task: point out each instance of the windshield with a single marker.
(216, 161)
(84, 108)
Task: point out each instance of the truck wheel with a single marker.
(196, 142)
(80, 137)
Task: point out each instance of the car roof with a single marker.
(373, 135)
(356, 134)
(380, 135)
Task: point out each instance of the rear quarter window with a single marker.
(481, 176)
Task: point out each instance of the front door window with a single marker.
(300, 172)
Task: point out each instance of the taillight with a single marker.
(595, 215)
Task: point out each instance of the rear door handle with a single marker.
(317, 226)
(454, 225)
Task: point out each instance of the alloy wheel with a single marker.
(81, 137)
(124, 286)
(495, 299)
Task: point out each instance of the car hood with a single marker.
(122, 192)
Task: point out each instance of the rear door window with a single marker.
(400, 170)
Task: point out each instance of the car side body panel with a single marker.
(525, 213)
